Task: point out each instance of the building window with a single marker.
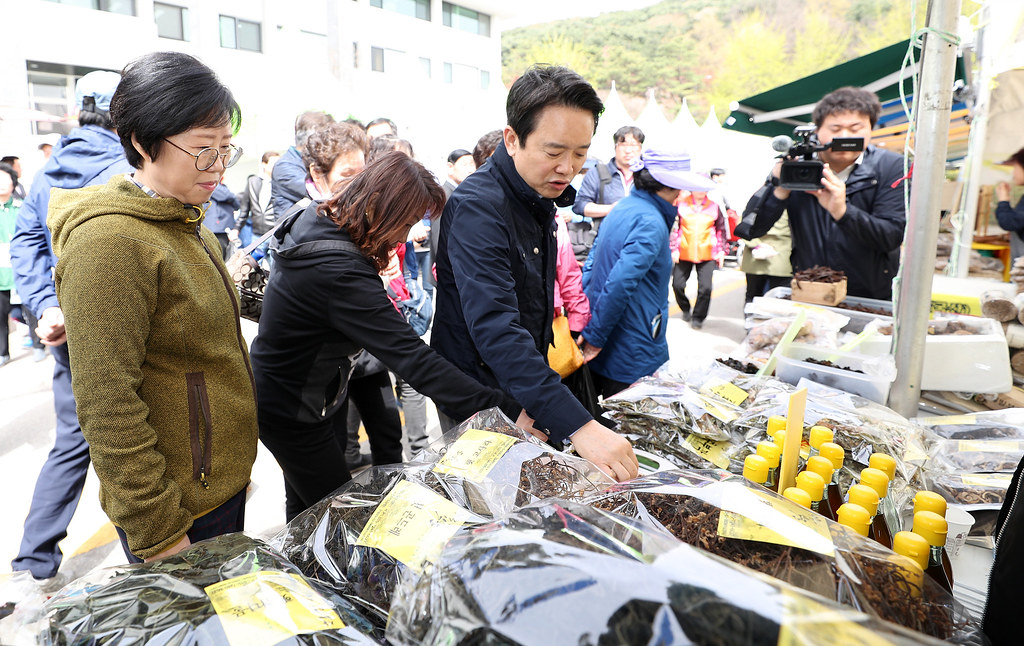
(415, 8)
(236, 33)
(126, 7)
(377, 59)
(51, 89)
(485, 79)
(448, 73)
(171, 21)
(466, 19)
(425, 67)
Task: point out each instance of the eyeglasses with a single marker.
(207, 157)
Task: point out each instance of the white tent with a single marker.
(657, 130)
(614, 117)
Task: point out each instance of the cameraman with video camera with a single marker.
(843, 196)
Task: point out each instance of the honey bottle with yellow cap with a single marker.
(773, 454)
(755, 469)
(887, 465)
(814, 485)
(916, 548)
(866, 497)
(818, 436)
(855, 517)
(932, 527)
(798, 495)
(931, 501)
(878, 481)
(775, 423)
(835, 454)
(823, 467)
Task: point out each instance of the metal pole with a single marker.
(934, 103)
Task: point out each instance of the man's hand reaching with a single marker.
(607, 449)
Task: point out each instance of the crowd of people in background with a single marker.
(387, 286)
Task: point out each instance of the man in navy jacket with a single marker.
(496, 261)
(90, 154)
(854, 223)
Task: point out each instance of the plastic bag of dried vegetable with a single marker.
(231, 590)
(975, 456)
(747, 524)
(561, 573)
(385, 524)
(987, 425)
(489, 466)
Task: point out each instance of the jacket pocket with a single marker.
(200, 427)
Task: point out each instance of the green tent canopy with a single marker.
(779, 110)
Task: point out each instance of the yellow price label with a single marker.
(717, 410)
(805, 621)
(412, 524)
(956, 304)
(752, 515)
(713, 452)
(474, 454)
(994, 480)
(990, 446)
(265, 608)
(728, 391)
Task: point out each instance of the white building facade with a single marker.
(433, 67)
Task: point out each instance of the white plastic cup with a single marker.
(960, 523)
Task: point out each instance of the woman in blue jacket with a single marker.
(627, 273)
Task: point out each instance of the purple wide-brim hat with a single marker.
(672, 168)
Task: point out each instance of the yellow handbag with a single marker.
(564, 356)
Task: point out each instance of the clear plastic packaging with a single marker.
(227, 590)
(976, 456)
(562, 573)
(747, 524)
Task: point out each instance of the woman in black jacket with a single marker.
(324, 304)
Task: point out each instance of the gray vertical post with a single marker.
(934, 103)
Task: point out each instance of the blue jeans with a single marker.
(59, 485)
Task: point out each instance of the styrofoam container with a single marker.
(858, 320)
(874, 384)
(972, 363)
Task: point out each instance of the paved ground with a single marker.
(27, 427)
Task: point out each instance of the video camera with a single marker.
(800, 170)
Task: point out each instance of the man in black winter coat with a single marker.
(496, 262)
(855, 223)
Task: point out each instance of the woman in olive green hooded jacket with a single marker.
(160, 370)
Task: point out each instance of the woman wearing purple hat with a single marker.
(627, 272)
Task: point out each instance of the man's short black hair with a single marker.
(625, 131)
(542, 86)
(715, 172)
(380, 120)
(9, 159)
(166, 93)
(848, 99)
(643, 180)
(101, 119)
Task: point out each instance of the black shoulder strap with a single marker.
(291, 213)
(316, 246)
(605, 176)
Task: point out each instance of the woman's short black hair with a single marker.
(166, 93)
(643, 180)
(542, 86)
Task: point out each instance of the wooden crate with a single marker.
(830, 294)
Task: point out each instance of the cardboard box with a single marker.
(829, 294)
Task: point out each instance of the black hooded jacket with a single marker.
(323, 304)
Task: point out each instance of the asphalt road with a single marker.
(27, 431)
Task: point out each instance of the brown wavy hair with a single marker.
(380, 204)
(330, 141)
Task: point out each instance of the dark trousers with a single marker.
(705, 276)
(60, 481)
(607, 387)
(761, 284)
(226, 519)
(5, 322)
(312, 456)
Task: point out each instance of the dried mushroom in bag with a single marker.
(386, 524)
(734, 519)
(976, 456)
(491, 467)
(561, 573)
(231, 590)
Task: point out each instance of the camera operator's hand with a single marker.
(780, 193)
(833, 196)
(1003, 192)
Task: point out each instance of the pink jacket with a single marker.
(569, 282)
